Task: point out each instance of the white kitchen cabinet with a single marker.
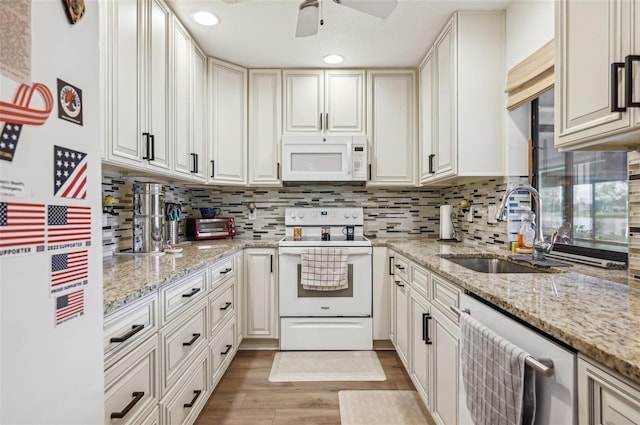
(402, 319)
(137, 114)
(605, 397)
(391, 127)
(446, 368)
(228, 123)
(265, 128)
(380, 273)
(421, 362)
(186, 399)
(187, 87)
(425, 121)
(240, 295)
(590, 38)
(462, 113)
(324, 102)
(261, 320)
(391, 256)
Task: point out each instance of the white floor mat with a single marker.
(381, 408)
(299, 366)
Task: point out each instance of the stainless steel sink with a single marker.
(492, 265)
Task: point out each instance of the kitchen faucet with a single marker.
(540, 247)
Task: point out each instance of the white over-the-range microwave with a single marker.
(324, 158)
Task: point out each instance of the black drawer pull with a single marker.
(397, 282)
(225, 352)
(391, 260)
(425, 325)
(226, 306)
(399, 267)
(194, 339)
(615, 67)
(137, 396)
(193, 400)
(134, 330)
(225, 271)
(192, 293)
(628, 79)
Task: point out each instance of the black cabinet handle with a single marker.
(137, 396)
(134, 330)
(369, 172)
(425, 326)
(278, 172)
(326, 121)
(193, 400)
(192, 293)
(615, 67)
(226, 306)
(399, 267)
(397, 282)
(431, 170)
(153, 147)
(213, 168)
(194, 339)
(271, 262)
(628, 79)
(320, 120)
(391, 259)
(225, 271)
(225, 352)
(194, 165)
(146, 135)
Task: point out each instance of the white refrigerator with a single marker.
(51, 354)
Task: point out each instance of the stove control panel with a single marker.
(323, 216)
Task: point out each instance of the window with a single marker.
(584, 194)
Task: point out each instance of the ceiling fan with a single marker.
(309, 12)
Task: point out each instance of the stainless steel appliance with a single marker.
(324, 158)
(211, 228)
(148, 217)
(556, 394)
(325, 320)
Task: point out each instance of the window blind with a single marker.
(531, 77)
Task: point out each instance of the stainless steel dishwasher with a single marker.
(556, 396)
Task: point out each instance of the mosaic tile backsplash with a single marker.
(388, 212)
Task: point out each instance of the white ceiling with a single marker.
(260, 33)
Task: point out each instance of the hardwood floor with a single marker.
(245, 396)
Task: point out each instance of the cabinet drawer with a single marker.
(222, 351)
(222, 305)
(131, 385)
(445, 295)
(421, 280)
(178, 296)
(185, 401)
(401, 266)
(180, 341)
(221, 270)
(126, 328)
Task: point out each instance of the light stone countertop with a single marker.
(128, 278)
(581, 306)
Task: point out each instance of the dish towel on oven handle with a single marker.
(500, 388)
(324, 269)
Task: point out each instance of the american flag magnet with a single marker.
(21, 112)
(68, 226)
(69, 173)
(69, 270)
(69, 306)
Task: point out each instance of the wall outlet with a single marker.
(491, 214)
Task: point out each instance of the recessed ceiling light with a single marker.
(206, 18)
(333, 59)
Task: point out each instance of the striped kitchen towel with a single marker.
(324, 269)
(500, 389)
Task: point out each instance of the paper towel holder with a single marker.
(464, 205)
(453, 231)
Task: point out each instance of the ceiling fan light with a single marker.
(307, 19)
(333, 59)
(206, 18)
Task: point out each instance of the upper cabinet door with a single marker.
(228, 147)
(590, 37)
(391, 123)
(304, 101)
(426, 118)
(446, 145)
(199, 112)
(181, 90)
(344, 101)
(265, 115)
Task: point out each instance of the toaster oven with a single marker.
(210, 228)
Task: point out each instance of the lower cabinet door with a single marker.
(421, 347)
(446, 368)
(153, 418)
(402, 320)
(131, 385)
(182, 405)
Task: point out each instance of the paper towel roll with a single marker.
(446, 223)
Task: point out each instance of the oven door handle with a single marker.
(356, 250)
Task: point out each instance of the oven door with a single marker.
(295, 301)
(213, 227)
(316, 158)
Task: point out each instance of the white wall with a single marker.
(530, 24)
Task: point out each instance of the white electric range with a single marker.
(325, 320)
